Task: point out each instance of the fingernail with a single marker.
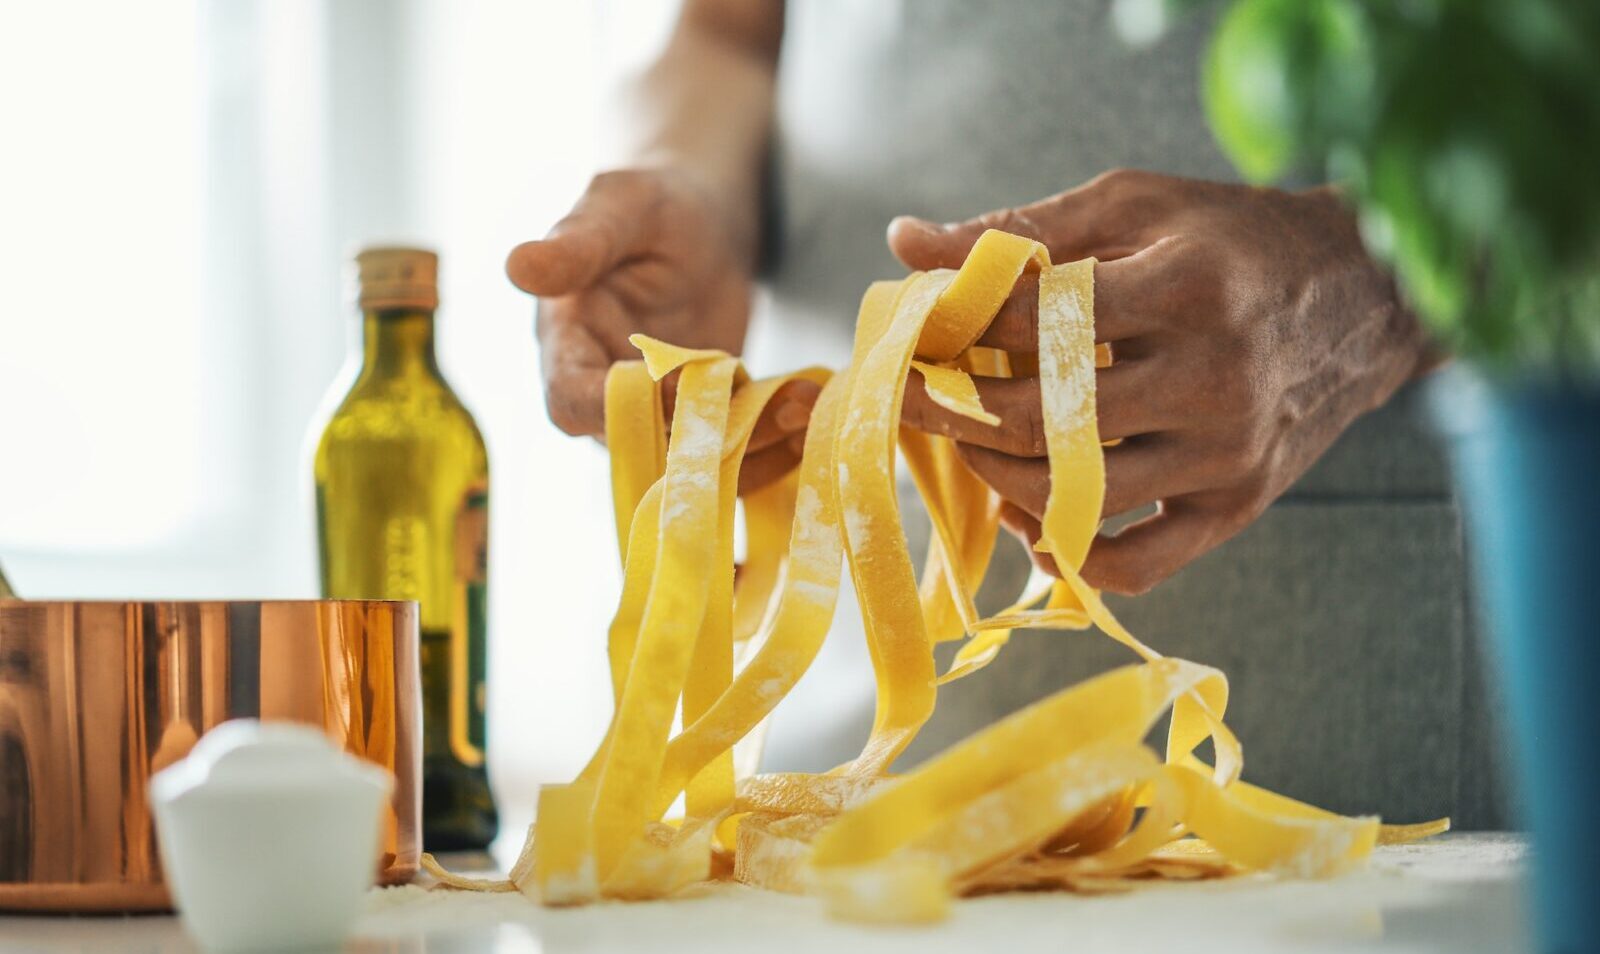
(792, 416)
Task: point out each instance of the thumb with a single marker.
(603, 230)
(921, 245)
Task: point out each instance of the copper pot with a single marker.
(95, 697)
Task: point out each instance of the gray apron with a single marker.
(1341, 616)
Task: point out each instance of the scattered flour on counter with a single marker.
(383, 899)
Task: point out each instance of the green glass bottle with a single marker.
(402, 485)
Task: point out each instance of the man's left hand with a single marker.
(1249, 328)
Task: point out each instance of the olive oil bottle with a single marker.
(402, 487)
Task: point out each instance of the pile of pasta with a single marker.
(1063, 793)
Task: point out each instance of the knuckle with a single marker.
(1182, 281)
(1015, 221)
(1119, 179)
(1006, 220)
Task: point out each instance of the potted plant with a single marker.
(1466, 134)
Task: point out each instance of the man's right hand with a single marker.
(651, 251)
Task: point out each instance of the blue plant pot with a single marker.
(1527, 463)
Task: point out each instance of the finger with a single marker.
(573, 365)
(762, 467)
(1149, 469)
(1090, 220)
(1027, 529)
(1015, 401)
(1149, 551)
(1138, 473)
(922, 245)
(785, 415)
(1134, 398)
(1015, 326)
(1022, 481)
(1131, 400)
(1123, 308)
(605, 228)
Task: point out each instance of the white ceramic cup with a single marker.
(268, 835)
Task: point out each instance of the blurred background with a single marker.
(182, 184)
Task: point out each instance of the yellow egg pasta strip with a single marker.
(1405, 834)
(805, 608)
(1045, 797)
(711, 666)
(906, 890)
(1066, 331)
(1121, 705)
(710, 783)
(449, 879)
(805, 794)
(635, 421)
(1072, 431)
(626, 784)
(1282, 844)
(990, 635)
(944, 592)
(985, 281)
(710, 790)
(772, 848)
(664, 861)
(639, 568)
(1271, 802)
(897, 637)
(1157, 826)
(954, 390)
(563, 862)
(1101, 827)
(769, 520)
(1017, 816)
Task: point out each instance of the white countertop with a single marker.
(1458, 893)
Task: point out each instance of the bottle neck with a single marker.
(398, 343)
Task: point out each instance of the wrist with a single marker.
(1420, 353)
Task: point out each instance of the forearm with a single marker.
(705, 106)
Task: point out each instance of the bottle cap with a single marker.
(397, 277)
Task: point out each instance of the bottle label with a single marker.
(469, 635)
(405, 552)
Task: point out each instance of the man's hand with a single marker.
(652, 251)
(1249, 329)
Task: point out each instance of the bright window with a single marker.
(102, 372)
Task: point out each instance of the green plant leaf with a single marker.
(1285, 79)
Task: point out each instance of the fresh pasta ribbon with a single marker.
(1063, 793)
